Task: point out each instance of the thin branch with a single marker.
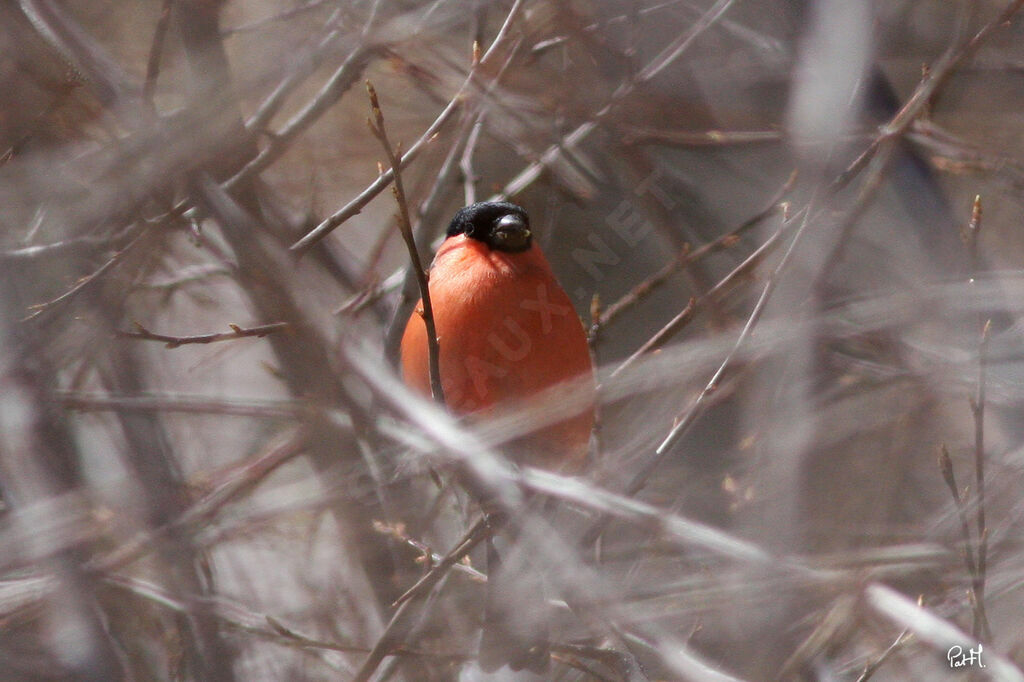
(180, 403)
(981, 626)
(175, 341)
(877, 156)
(353, 207)
(933, 630)
(356, 205)
(669, 54)
(901, 641)
(405, 225)
(480, 531)
(429, 213)
(40, 308)
(683, 317)
(82, 245)
(949, 476)
(686, 257)
(244, 479)
(191, 274)
(469, 177)
(239, 617)
(105, 76)
(398, 533)
(155, 51)
(392, 636)
(689, 138)
(982, 630)
(277, 18)
(937, 76)
(686, 419)
(339, 83)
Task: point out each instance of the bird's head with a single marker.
(499, 224)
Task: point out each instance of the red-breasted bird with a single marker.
(507, 331)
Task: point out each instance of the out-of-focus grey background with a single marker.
(808, 460)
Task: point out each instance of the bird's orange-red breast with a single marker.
(506, 330)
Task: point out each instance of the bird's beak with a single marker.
(511, 234)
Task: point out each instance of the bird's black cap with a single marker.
(499, 224)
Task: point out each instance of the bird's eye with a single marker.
(510, 233)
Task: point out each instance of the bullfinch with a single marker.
(506, 331)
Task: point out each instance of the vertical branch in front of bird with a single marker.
(376, 124)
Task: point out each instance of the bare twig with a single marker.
(155, 51)
(873, 667)
(466, 164)
(193, 274)
(40, 308)
(689, 138)
(982, 630)
(398, 533)
(688, 417)
(392, 636)
(686, 257)
(342, 79)
(934, 631)
(354, 206)
(683, 317)
(936, 76)
(429, 213)
(246, 476)
(978, 570)
(236, 332)
(180, 403)
(106, 77)
(479, 532)
(276, 18)
(879, 153)
(669, 54)
(948, 475)
(83, 245)
(405, 225)
(239, 617)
